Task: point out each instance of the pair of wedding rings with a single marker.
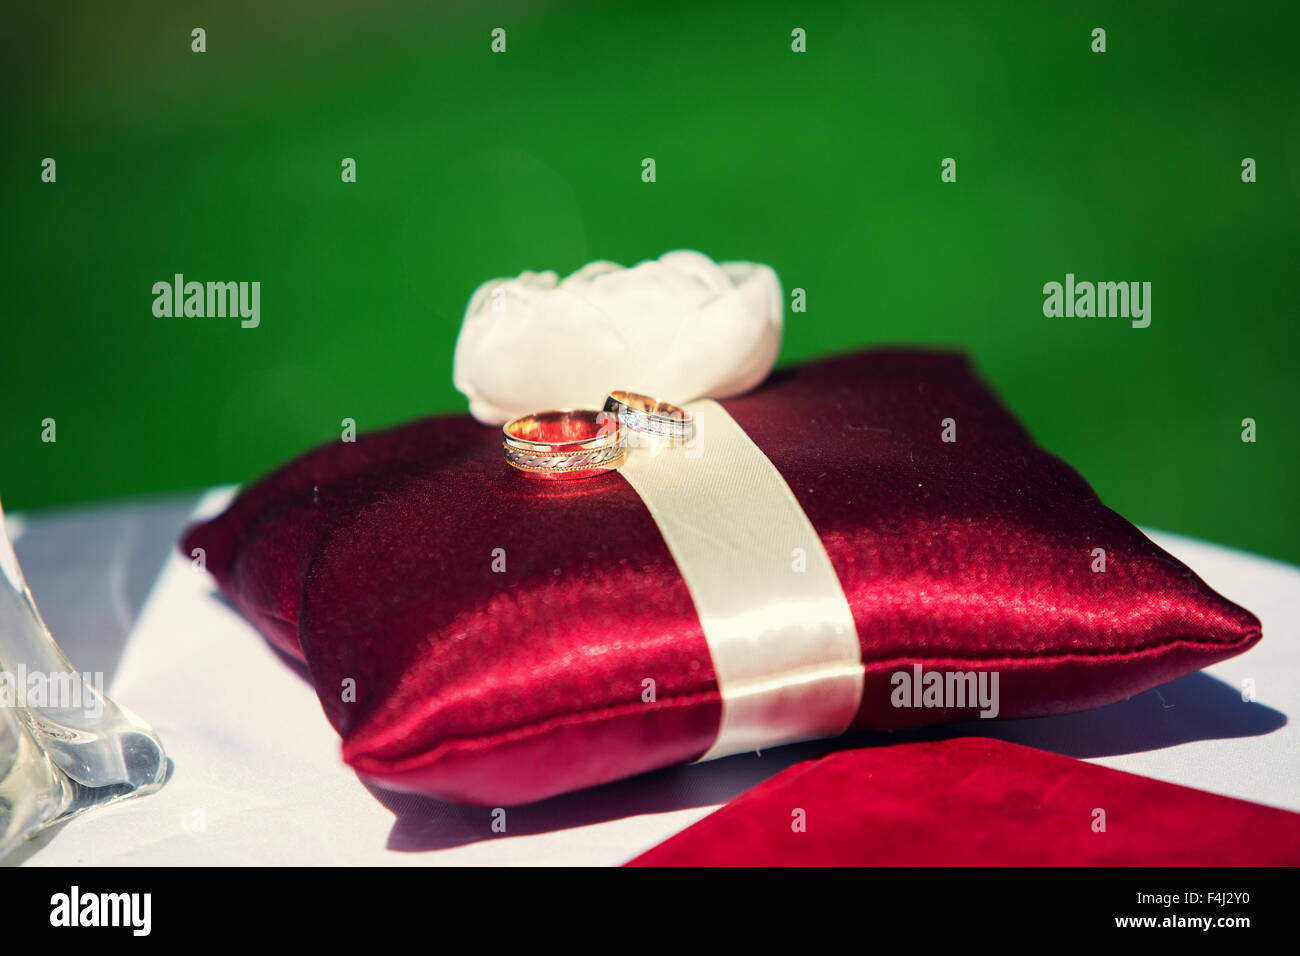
(573, 443)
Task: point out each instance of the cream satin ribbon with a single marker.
(783, 643)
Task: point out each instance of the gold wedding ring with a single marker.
(564, 444)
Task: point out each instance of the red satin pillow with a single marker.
(373, 561)
(976, 801)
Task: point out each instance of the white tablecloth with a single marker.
(257, 777)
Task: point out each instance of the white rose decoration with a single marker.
(677, 328)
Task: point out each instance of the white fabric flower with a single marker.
(676, 328)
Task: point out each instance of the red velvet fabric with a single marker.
(976, 801)
(373, 561)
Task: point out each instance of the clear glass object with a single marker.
(65, 747)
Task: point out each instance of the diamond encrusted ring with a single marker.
(640, 413)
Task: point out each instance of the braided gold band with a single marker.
(564, 444)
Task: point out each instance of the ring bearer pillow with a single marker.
(866, 541)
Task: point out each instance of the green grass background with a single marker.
(225, 166)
